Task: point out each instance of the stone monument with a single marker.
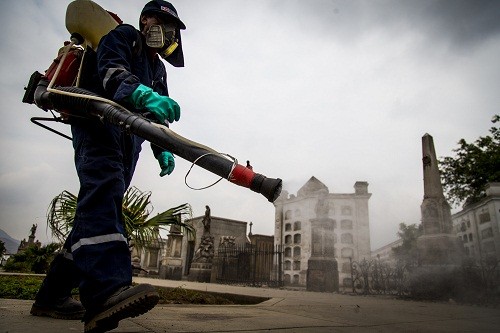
(31, 240)
(438, 245)
(322, 267)
(201, 267)
(171, 261)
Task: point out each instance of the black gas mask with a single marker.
(162, 37)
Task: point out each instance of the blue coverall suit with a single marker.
(105, 160)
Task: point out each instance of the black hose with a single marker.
(133, 123)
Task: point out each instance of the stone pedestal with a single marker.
(171, 261)
(322, 275)
(171, 269)
(439, 249)
(200, 272)
(322, 267)
(201, 267)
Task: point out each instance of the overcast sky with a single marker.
(339, 90)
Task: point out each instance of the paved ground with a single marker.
(286, 311)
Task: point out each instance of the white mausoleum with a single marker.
(348, 235)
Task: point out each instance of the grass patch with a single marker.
(180, 295)
(26, 287)
(19, 286)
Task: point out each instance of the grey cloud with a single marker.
(460, 23)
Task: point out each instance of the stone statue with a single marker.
(322, 206)
(227, 241)
(33, 229)
(207, 219)
(205, 252)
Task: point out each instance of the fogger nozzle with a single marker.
(268, 187)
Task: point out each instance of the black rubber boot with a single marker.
(54, 297)
(64, 308)
(127, 302)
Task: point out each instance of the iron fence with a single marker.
(250, 265)
(407, 278)
(376, 277)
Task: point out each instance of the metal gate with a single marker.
(250, 265)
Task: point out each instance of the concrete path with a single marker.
(285, 311)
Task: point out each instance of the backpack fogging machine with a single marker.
(58, 89)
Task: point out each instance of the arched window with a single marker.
(346, 239)
(296, 279)
(288, 227)
(288, 214)
(296, 251)
(296, 265)
(288, 265)
(288, 279)
(296, 238)
(288, 252)
(296, 226)
(288, 239)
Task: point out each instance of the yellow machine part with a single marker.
(89, 20)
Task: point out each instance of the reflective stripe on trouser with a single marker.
(105, 159)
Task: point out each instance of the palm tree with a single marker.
(136, 210)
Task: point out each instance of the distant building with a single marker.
(478, 225)
(385, 253)
(347, 236)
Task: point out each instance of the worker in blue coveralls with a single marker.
(96, 256)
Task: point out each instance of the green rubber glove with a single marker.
(167, 163)
(163, 107)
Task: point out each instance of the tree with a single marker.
(466, 175)
(137, 208)
(3, 249)
(407, 251)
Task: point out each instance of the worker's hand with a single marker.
(167, 163)
(163, 107)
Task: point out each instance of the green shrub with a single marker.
(33, 259)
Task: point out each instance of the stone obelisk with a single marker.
(438, 245)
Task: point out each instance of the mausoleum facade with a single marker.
(318, 224)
